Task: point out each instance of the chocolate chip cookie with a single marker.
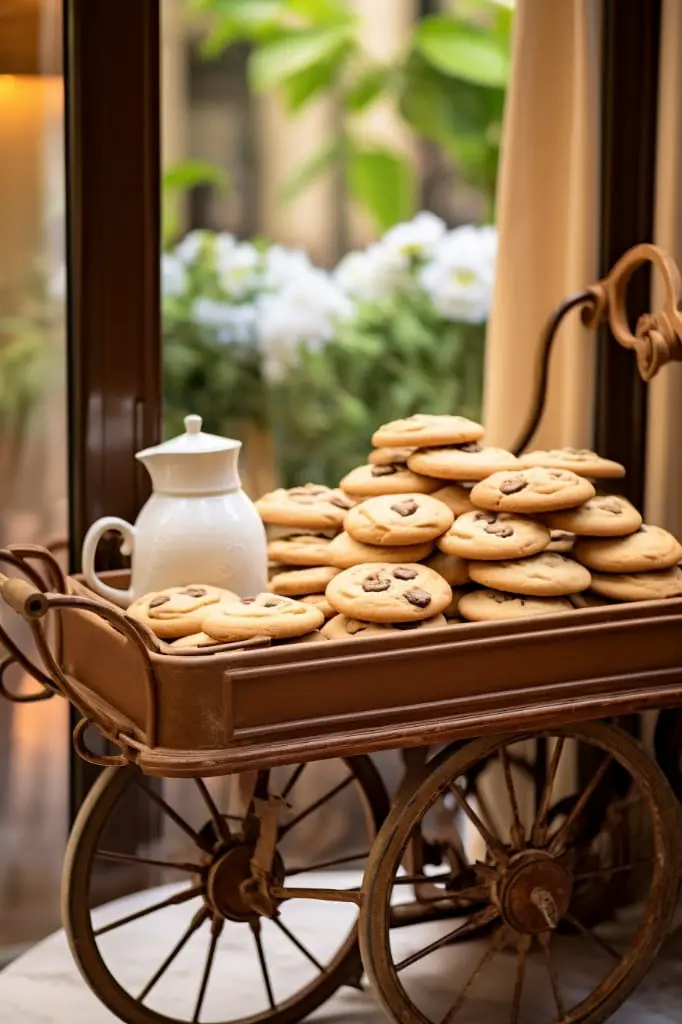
(457, 497)
(343, 628)
(606, 515)
(319, 601)
(580, 460)
(472, 461)
(423, 430)
(384, 592)
(543, 575)
(304, 549)
(641, 586)
(178, 611)
(531, 491)
(345, 552)
(389, 456)
(494, 535)
(299, 582)
(398, 519)
(452, 568)
(490, 605)
(650, 548)
(268, 615)
(309, 507)
(394, 478)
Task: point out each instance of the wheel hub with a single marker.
(534, 893)
(226, 878)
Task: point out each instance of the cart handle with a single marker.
(657, 339)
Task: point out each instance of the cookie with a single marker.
(543, 575)
(452, 568)
(343, 628)
(641, 586)
(561, 542)
(457, 497)
(389, 456)
(494, 535)
(263, 615)
(451, 613)
(195, 640)
(580, 460)
(491, 605)
(310, 507)
(383, 592)
(398, 519)
(345, 552)
(650, 548)
(471, 461)
(319, 601)
(606, 515)
(423, 430)
(304, 549)
(367, 481)
(299, 582)
(532, 490)
(178, 611)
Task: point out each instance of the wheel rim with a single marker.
(220, 913)
(521, 893)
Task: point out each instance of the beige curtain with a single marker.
(664, 454)
(547, 218)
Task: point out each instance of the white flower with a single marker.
(192, 245)
(304, 312)
(173, 276)
(416, 238)
(223, 246)
(459, 278)
(375, 273)
(239, 270)
(282, 265)
(232, 323)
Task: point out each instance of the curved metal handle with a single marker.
(121, 598)
(101, 760)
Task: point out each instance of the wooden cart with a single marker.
(513, 701)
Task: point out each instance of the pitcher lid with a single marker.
(192, 442)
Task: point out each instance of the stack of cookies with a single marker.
(301, 523)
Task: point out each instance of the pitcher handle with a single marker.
(121, 598)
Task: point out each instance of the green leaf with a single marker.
(320, 163)
(367, 88)
(190, 173)
(460, 51)
(235, 20)
(293, 52)
(304, 86)
(384, 182)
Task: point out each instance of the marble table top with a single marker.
(44, 986)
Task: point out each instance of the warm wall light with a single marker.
(30, 40)
(8, 84)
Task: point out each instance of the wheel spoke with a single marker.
(517, 830)
(478, 920)
(588, 933)
(325, 895)
(291, 782)
(496, 942)
(539, 831)
(522, 953)
(476, 892)
(558, 839)
(329, 863)
(297, 942)
(315, 806)
(546, 943)
(132, 858)
(613, 870)
(194, 925)
(171, 901)
(255, 930)
(216, 928)
(156, 798)
(492, 842)
(222, 828)
(420, 879)
(486, 811)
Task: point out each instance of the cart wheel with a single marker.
(523, 885)
(207, 934)
(668, 747)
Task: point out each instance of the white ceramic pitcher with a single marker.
(198, 526)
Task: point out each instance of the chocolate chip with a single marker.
(487, 517)
(156, 602)
(470, 449)
(498, 530)
(402, 573)
(513, 484)
(502, 598)
(384, 470)
(419, 598)
(405, 508)
(270, 604)
(195, 591)
(341, 502)
(375, 584)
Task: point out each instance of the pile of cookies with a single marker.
(435, 528)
